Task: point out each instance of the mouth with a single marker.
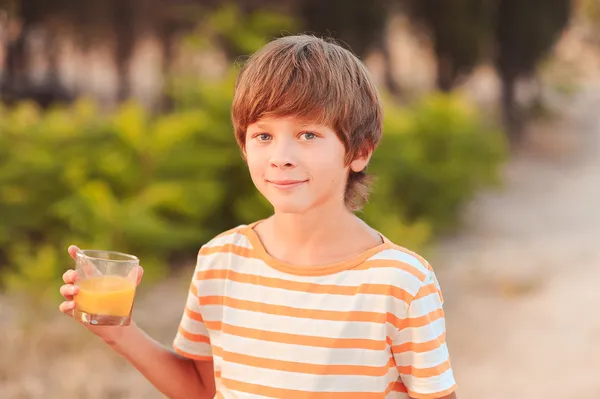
(286, 184)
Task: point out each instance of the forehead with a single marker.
(291, 121)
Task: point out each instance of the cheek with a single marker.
(255, 166)
(328, 169)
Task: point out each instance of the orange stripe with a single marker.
(305, 368)
(231, 232)
(426, 290)
(425, 372)
(420, 347)
(228, 248)
(193, 337)
(373, 263)
(375, 289)
(332, 315)
(414, 322)
(192, 356)
(193, 315)
(272, 392)
(436, 395)
(395, 386)
(194, 289)
(297, 339)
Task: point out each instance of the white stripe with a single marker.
(302, 300)
(424, 306)
(234, 238)
(305, 354)
(293, 325)
(307, 382)
(429, 385)
(193, 348)
(348, 278)
(193, 326)
(192, 302)
(395, 254)
(232, 394)
(420, 334)
(423, 360)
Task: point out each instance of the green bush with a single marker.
(160, 186)
(433, 158)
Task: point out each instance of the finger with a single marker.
(136, 274)
(68, 290)
(140, 274)
(73, 249)
(87, 266)
(70, 276)
(67, 307)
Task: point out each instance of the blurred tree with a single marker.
(359, 25)
(15, 83)
(459, 29)
(525, 32)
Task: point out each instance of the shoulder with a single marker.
(227, 240)
(402, 268)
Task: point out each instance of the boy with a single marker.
(311, 302)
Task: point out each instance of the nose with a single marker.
(282, 155)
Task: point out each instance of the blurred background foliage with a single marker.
(161, 185)
(159, 180)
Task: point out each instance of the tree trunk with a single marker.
(388, 69)
(510, 111)
(14, 79)
(445, 74)
(123, 20)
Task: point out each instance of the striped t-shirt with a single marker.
(369, 327)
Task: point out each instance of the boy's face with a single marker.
(296, 165)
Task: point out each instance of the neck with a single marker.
(312, 228)
(318, 237)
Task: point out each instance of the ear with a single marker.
(361, 161)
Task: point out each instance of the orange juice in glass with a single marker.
(107, 281)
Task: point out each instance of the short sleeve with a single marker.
(419, 346)
(192, 339)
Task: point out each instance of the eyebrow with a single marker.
(266, 126)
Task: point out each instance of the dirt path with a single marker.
(521, 284)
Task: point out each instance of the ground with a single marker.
(521, 279)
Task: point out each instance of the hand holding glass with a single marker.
(107, 281)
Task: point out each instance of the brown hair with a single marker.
(319, 80)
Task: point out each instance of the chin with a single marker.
(290, 207)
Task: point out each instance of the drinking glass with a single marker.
(107, 281)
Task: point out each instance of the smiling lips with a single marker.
(286, 184)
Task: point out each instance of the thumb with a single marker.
(136, 272)
(73, 251)
(140, 274)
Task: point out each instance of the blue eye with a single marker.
(309, 135)
(263, 137)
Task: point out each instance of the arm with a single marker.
(175, 376)
(172, 374)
